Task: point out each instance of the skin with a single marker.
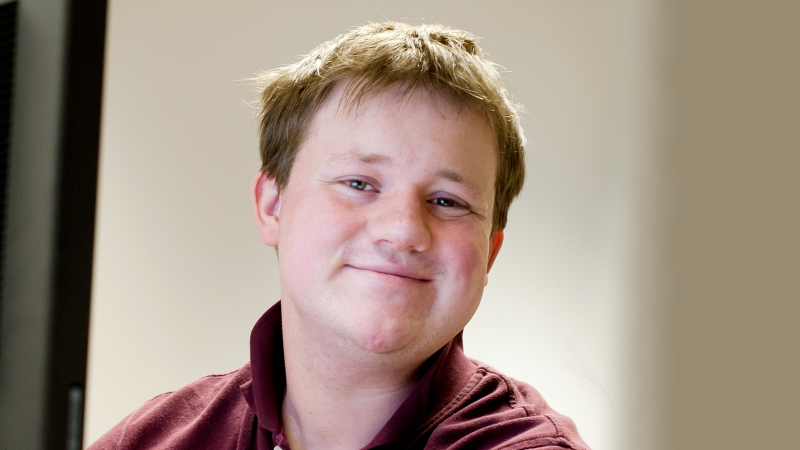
(384, 233)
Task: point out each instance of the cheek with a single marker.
(313, 228)
(468, 256)
(461, 291)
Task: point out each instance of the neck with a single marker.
(336, 398)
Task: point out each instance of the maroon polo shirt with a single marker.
(458, 404)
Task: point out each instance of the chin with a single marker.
(416, 340)
(385, 335)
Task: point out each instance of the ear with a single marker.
(495, 242)
(267, 205)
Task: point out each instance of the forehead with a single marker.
(350, 100)
(414, 119)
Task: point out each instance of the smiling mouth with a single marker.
(393, 272)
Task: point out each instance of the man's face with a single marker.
(384, 228)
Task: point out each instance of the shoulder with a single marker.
(210, 409)
(495, 411)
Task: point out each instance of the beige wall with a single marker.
(732, 256)
(181, 275)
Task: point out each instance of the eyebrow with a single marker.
(369, 158)
(374, 158)
(456, 178)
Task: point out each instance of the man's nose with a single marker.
(400, 222)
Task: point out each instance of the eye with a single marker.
(359, 185)
(444, 202)
(449, 208)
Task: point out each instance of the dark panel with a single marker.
(8, 32)
(77, 191)
(52, 157)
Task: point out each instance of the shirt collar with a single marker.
(446, 372)
(265, 392)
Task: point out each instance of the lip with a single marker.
(396, 271)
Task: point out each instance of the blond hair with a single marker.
(374, 57)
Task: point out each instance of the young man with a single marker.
(390, 157)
